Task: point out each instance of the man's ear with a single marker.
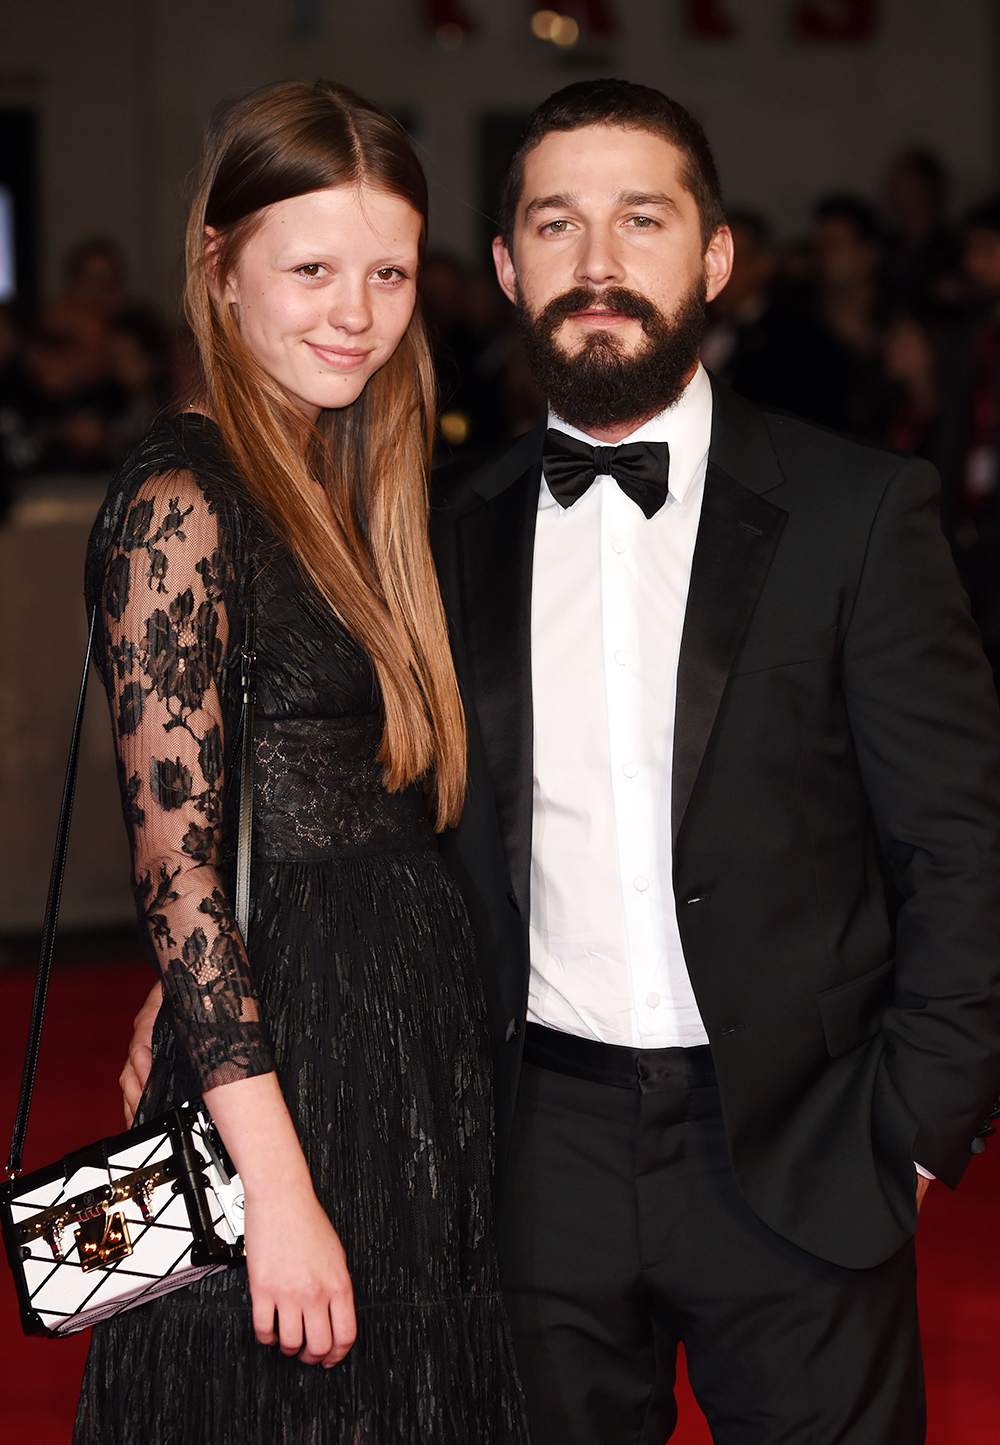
(718, 262)
(506, 274)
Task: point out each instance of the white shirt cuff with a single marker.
(924, 1173)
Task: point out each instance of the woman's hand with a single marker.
(133, 1076)
(299, 1285)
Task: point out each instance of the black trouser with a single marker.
(623, 1232)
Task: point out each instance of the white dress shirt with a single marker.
(609, 592)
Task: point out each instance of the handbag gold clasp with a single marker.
(103, 1239)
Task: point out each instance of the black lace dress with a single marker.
(361, 987)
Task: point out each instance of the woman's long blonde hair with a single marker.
(364, 543)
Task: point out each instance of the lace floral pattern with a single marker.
(163, 561)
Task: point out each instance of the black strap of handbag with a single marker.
(244, 838)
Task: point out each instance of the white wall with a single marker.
(125, 86)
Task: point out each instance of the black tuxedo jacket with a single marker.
(836, 813)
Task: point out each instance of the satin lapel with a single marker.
(495, 550)
(737, 538)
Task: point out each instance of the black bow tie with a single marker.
(639, 468)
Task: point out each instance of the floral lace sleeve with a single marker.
(165, 584)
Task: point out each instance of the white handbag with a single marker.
(121, 1222)
(133, 1216)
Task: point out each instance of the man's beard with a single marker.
(601, 384)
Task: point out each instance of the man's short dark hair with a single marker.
(629, 106)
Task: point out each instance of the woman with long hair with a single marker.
(342, 1051)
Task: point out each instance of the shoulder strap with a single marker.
(59, 870)
(51, 918)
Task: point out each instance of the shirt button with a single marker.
(618, 545)
(641, 882)
(653, 1000)
(631, 770)
(621, 657)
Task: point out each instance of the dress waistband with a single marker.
(319, 793)
(646, 1070)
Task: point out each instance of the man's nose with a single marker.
(599, 262)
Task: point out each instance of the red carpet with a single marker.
(89, 1023)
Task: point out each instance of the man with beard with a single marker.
(731, 847)
(732, 742)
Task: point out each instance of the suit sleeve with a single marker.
(926, 726)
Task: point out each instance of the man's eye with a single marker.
(558, 227)
(643, 222)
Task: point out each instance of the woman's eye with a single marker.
(312, 268)
(389, 273)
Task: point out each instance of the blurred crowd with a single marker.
(883, 321)
(81, 381)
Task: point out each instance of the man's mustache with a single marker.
(582, 298)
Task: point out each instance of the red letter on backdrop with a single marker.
(851, 20)
(707, 19)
